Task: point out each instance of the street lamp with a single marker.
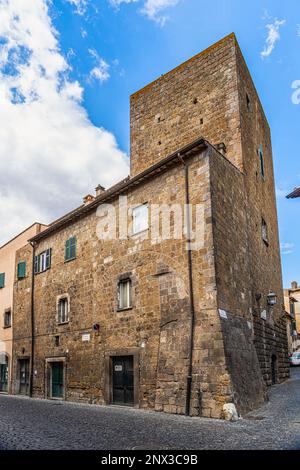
(272, 299)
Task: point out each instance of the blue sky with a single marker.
(97, 54)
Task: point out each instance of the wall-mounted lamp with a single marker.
(272, 299)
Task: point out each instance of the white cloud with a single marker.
(286, 248)
(117, 3)
(101, 70)
(273, 37)
(153, 8)
(50, 153)
(80, 6)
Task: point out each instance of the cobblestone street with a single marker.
(44, 424)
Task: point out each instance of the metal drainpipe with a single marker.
(32, 323)
(191, 291)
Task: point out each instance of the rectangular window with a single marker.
(292, 308)
(63, 310)
(124, 294)
(7, 319)
(264, 231)
(42, 262)
(70, 249)
(140, 220)
(261, 160)
(2, 280)
(21, 270)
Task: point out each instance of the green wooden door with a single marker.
(57, 380)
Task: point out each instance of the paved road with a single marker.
(45, 424)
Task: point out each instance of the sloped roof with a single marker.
(294, 194)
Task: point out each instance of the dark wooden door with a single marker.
(123, 381)
(4, 377)
(57, 380)
(24, 377)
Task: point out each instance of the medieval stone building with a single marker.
(162, 322)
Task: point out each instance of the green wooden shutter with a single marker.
(2, 280)
(70, 249)
(48, 258)
(73, 247)
(21, 269)
(36, 264)
(67, 250)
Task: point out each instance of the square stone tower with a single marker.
(200, 97)
(212, 95)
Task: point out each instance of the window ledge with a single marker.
(6, 327)
(41, 272)
(141, 232)
(63, 323)
(71, 259)
(124, 309)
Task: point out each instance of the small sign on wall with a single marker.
(222, 313)
(86, 337)
(263, 315)
(118, 368)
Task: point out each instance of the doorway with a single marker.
(123, 380)
(3, 373)
(24, 378)
(57, 388)
(274, 369)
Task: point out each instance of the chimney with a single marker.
(88, 199)
(294, 285)
(99, 190)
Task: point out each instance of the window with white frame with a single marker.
(42, 262)
(124, 294)
(63, 310)
(140, 221)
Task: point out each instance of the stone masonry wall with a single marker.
(233, 279)
(198, 98)
(264, 260)
(157, 327)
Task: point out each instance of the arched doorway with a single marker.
(274, 369)
(3, 372)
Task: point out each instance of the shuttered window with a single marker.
(42, 262)
(21, 270)
(2, 280)
(70, 249)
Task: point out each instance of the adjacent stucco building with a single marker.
(7, 277)
(292, 308)
(154, 321)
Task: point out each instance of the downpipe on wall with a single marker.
(189, 380)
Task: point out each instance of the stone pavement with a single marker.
(45, 424)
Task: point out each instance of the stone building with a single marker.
(183, 324)
(7, 277)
